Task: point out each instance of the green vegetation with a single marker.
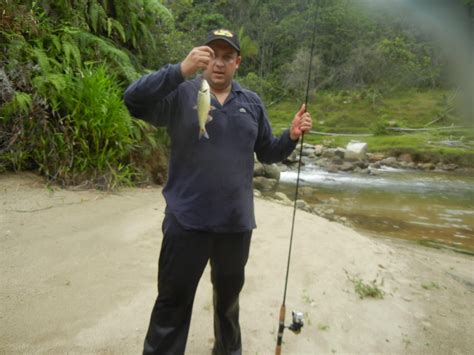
(323, 327)
(64, 66)
(63, 74)
(369, 114)
(366, 289)
(430, 286)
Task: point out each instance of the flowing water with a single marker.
(423, 206)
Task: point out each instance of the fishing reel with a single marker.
(297, 322)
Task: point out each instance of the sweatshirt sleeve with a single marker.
(271, 149)
(153, 97)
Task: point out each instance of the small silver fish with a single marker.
(203, 107)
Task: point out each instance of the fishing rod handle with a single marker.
(281, 328)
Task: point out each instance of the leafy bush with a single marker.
(268, 89)
(84, 139)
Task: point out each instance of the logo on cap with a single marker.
(224, 33)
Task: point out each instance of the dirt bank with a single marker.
(79, 271)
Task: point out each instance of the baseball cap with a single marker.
(224, 35)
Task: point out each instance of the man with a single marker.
(209, 194)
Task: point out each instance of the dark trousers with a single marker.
(183, 258)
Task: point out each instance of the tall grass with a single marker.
(84, 139)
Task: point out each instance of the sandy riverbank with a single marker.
(79, 271)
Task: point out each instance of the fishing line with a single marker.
(297, 323)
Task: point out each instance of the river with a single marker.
(432, 207)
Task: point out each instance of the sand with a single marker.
(79, 275)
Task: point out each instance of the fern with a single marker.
(113, 24)
(109, 51)
(71, 51)
(21, 103)
(156, 10)
(97, 16)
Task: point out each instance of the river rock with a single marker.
(280, 196)
(337, 160)
(390, 161)
(303, 205)
(293, 157)
(329, 153)
(340, 152)
(308, 149)
(332, 201)
(356, 150)
(332, 168)
(258, 169)
(346, 166)
(361, 164)
(271, 171)
(375, 157)
(407, 158)
(263, 184)
(426, 166)
(306, 160)
(407, 165)
(449, 167)
(322, 162)
(307, 192)
(318, 149)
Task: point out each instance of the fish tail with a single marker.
(203, 133)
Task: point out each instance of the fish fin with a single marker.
(203, 133)
(212, 108)
(209, 119)
(195, 107)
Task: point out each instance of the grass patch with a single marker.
(364, 289)
(430, 286)
(323, 327)
(359, 112)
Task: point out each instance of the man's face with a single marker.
(221, 69)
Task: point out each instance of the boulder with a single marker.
(390, 161)
(329, 153)
(308, 153)
(303, 205)
(332, 168)
(318, 149)
(450, 167)
(356, 150)
(280, 196)
(258, 169)
(340, 152)
(375, 157)
(263, 184)
(407, 165)
(271, 171)
(361, 164)
(346, 166)
(293, 157)
(407, 158)
(426, 166)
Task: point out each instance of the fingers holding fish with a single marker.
(198, 58)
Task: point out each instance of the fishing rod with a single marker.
(297, 317)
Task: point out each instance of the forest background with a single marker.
(378, 65)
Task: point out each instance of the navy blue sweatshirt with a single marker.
(210, 181)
